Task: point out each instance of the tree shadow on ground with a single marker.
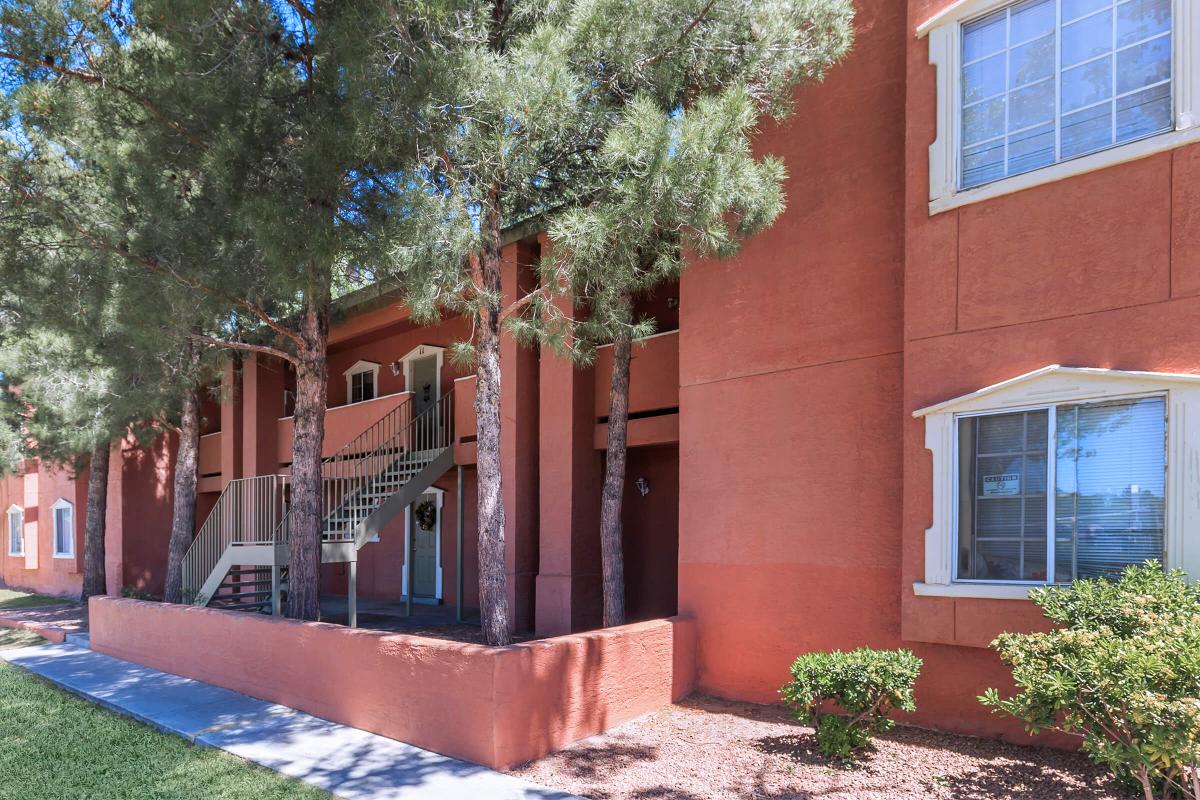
(597, 761)
(1010, 780)
(801, 748)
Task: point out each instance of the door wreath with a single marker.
(426, 514)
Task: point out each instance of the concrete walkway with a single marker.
(346, 761)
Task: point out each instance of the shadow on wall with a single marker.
(561, 690)
(496, 706)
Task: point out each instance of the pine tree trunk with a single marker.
(493, 589)
(94, 580)
(612, 555)
(183, 516)
(304, 535)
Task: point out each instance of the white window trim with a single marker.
(358, 368)
(8, 515)
(1055, 385)
(416, 354)
(945, 49)
(438, 496)
(59, 504)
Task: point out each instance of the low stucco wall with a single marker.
(495, 706)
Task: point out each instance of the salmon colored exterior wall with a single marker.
(1099, 270)
(495, 706)
(791, 374)
(36, 491)
(790, 488)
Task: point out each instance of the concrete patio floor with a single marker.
(436, 621)
(345, 761)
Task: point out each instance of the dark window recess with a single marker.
(362, 386)
(658, 412)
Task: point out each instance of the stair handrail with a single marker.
(246, 513)
(396, 438)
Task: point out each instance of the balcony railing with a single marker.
(342, 424)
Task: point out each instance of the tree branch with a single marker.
(94, 79)
(153, 266)
(303, 12)
(683, 35)
(230, 344)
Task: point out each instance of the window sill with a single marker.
(981, 591)
(1065, 169)
(64, 556)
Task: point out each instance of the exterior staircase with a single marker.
(239, 559)
(245, 588)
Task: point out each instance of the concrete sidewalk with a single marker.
(346, 761)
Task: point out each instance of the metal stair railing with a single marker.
(247, 513)
(386, 454)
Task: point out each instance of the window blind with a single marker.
(1110, 487)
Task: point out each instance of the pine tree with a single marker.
(540, 113)
(243, 176)
(680, 179)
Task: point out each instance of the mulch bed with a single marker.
(706, 748)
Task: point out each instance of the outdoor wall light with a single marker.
(643, 486)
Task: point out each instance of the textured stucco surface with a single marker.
(494, 706)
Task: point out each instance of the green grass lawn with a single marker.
(55, 746)
(11, 638)
(14, 599)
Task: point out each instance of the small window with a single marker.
(1060, 493)
(1045, 81)
(362, 386)
(16, 531)
(362, 381)
(64, 529)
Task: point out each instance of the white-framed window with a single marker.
(15, 527)
(63, 513)
(362, 382)
(1054, 493)
(1061, 474)
(1032, 91)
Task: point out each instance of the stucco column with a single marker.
(519, 443)
(262, 404)
(569, 581)
(231, 421)
(114, 521)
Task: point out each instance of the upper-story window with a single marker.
(15, 525)
(1053, 494)
(1037, 90)
(1048, 80)
(1062, 474)
(64, 529)
(362, 382)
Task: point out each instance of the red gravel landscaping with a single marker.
(705, 748)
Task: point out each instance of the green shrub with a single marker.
(135, 593)
(1122, 671)
(846, 697)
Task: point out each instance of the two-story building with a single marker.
(965, 362)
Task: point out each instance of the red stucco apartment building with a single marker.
(854, 433)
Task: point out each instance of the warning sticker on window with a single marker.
(1001, 485)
